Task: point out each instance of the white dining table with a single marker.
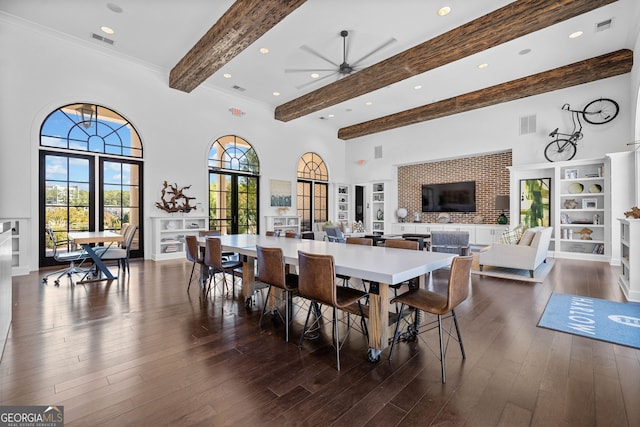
(379, 265)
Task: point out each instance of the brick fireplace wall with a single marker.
(488, 171)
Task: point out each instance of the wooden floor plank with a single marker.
(143, 351)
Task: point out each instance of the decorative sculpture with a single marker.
(178, 202)
(633, 213)
(586, 233)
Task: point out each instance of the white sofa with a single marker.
(523, 255)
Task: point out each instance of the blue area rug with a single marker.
(614, 322)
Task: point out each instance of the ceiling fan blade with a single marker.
(307, 70)
(379, 48)
(314, 53)
(316, 80)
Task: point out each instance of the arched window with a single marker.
(312, 190)
(89, 127)
(233, 186)
(77, 140)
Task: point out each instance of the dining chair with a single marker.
(441, 305)
(402, 244)
(216, 264)
(216, 233)
(121, 252)
(355, 241)
(292, 235)
(272, 271)
(453, 242)
(68, 257)
(317, 283)
(334, 234)
(193, 254)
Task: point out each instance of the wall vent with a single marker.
(239, 88)
(102, 39)
(377, 152)
(528, 124)
(604, 25)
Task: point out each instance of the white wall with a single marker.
(39, 73)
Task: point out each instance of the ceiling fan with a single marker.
(339, 70)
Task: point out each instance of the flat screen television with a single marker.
(449, 197)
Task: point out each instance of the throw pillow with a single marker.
(511, 237)
(527, 238)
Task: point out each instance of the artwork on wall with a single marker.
(535, 202)
(280, 193)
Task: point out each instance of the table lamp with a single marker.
(502, 203)
(402, 214)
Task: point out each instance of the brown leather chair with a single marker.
(292, 235)
(317, 283)
(213, 259)
(364, 241)
(438, 304)
(192, 252)
(413, 245)
(275, 233)
(272, 271)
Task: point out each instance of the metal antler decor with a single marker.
(177, 202)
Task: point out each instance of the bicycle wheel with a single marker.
(600, 111)
(560, 150)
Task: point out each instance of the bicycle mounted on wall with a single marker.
(596, 112)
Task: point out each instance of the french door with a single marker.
(233, 203)
(73, 198)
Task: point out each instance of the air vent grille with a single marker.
(527, 124)
(604, 25)
(377, 152)
(238, 88)
(102, 39)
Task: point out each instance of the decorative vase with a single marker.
(502, 219)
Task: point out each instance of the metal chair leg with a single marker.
(264, 307)
(455, 322)
(442, 352)
(395, 332)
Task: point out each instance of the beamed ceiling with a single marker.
(393, 46)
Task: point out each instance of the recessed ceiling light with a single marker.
(264, 50)
(524, 51)
(107, 30)
(330, 115)
(226, 75)
(315, 75)
(276, 93)
(483, 65)
(368, 103)
(443, 11)
(114, 7)
(417, 87)
(575, 35)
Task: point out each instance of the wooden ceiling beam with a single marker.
(242, 24)
(514, 20)
(600, 67)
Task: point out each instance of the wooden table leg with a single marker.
(378, 319)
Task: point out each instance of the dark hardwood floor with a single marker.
(141, 351)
